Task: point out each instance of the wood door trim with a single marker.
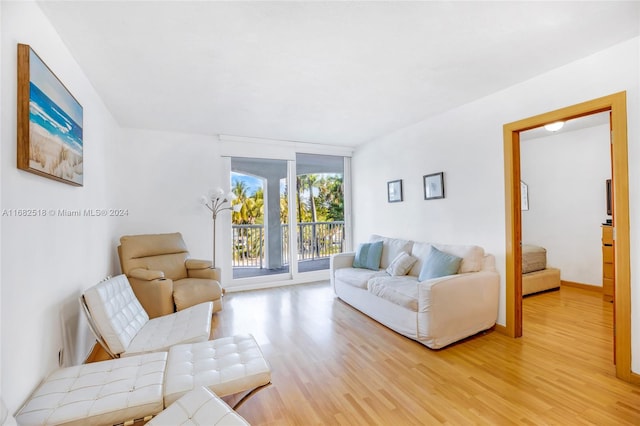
(617, 105)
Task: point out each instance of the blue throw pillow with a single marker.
(368, 256)
(439, 264)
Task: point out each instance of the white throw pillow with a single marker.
(390, 248)
(401, 264)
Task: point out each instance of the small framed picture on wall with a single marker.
(433, 186)
(524, 196)
(394, 191)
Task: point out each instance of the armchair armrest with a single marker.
(207, 272)
(155, 296)
(146, 274)
(197, 264)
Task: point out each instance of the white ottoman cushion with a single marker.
(226, 366)
(107, 392)
(198, 407)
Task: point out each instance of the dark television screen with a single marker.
(609, 197)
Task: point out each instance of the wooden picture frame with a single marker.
(524, 196)
(394, 191)
(50, 141)
(433, 186)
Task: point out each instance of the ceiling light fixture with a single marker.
(554, 127)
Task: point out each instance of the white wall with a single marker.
(161, 177)
(566, 174)
(467, 144)
(47, 261)
(1, 92)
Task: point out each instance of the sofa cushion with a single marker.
(402, 291)
(368, 255)
(439, 264)
(401, 265)
(472, 256)
(391, 247)
(357, 277)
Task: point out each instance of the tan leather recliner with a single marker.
(162, 274)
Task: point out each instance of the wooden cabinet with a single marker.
(608, 271)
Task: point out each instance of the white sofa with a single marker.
(435, 312)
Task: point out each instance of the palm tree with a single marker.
(306, 183)
(240, 190)
(284, 206)
(331, 196)
(312, 182)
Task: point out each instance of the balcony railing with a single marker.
(316, 240)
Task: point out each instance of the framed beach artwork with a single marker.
(49, 122)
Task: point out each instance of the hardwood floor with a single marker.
(333, 365)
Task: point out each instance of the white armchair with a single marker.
(123, 327)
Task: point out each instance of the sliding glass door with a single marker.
(270, 217)
(319, 210)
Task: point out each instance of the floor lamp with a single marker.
(215, 202)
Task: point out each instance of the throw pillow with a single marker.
(368, 256)
(401, 264)
(439, 264)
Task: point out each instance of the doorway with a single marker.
(566, 204)
(616, 105)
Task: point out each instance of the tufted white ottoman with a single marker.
(198, 407)
(226, 366)
(122, 390)
(100, 393)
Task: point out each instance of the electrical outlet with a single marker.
(60, 357)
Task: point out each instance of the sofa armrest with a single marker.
(342, 260)
(145, 274)
(338, 261)
(460, 301)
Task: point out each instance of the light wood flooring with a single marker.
(333, 365)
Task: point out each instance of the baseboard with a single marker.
(266, 282)
(587, 287)
(501, 329)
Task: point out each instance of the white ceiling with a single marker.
(326, 72)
